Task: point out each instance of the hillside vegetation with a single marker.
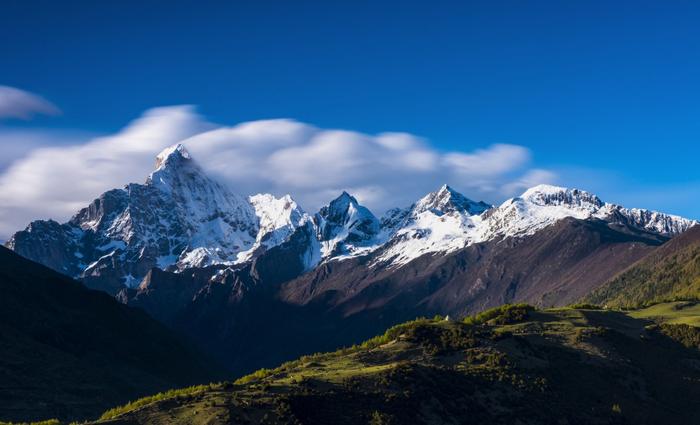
(672, 272)
(512, 365)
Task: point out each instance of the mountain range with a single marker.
(180, 218)
(239, 275)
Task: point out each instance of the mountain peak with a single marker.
(544, 189)
(339, 209)
(545, 194)
(445, 188)
(447, 200)
(345, 197)
(344, 225)
(174, 165)
(172, 155)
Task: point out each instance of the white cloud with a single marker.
(529, 179)
(278, 156)
(496, 160)
(54, 182)
(16, 143)
(16, 103)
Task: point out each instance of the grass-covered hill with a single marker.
(70, 352)
(670, 272)
(511, 365)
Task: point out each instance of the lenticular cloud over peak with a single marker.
(276, 156)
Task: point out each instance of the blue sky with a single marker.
(605, 95)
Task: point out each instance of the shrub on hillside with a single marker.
(503, 315)
(585, 306)
(687, 335)
(170, 394)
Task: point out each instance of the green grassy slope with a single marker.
(511, 366)
(671, 272)
(68, 352)
(676, 313)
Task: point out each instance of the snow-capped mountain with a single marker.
(441, 221)
(194, 254)
(344, 227)
(278, 218)
(180, 219)
(543, 205)
(444, 221)
(212, 224)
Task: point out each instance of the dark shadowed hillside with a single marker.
(70, 352)
(511, 365)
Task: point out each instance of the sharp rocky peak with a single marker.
(172, 156)
(447, 200)
(343, 209)
(174, 165)
(344, 219)
(342, 201)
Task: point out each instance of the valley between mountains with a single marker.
(243, 283)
